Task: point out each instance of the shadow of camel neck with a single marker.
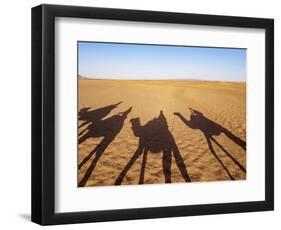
(210, 129)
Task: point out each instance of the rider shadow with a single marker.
(106, 128)
(210, 128)
(90, 116)
(155, 137)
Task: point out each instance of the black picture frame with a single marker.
(43, 114)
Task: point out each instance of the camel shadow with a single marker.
(108, 129)
(155, 137)
(209, 129)
(90, 116)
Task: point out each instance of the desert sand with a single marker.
(206, 123)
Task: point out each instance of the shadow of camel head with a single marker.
(199, 121)
(125, 113)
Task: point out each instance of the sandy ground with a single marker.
(210, 138)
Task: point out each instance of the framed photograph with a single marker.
(142, 114)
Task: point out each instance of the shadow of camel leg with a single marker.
(102, 146)
(216, 156)
(167, 163)
(235, 139)
(82, 132)
(89, 156)
(181, 165)
(229, 155)
(83, 138)
(143, 166)
(84, 123)
(129, 165)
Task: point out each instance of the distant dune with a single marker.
(156, 80)
(200, 135)
(82, 77)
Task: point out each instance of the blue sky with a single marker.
(134, 61)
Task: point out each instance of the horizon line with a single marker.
(164, 79)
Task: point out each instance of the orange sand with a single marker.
(220, 102)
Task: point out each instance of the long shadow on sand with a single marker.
(155, 137)
(106, 128)
(90, 116)
(210, 128)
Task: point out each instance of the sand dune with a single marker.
(210, 137)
